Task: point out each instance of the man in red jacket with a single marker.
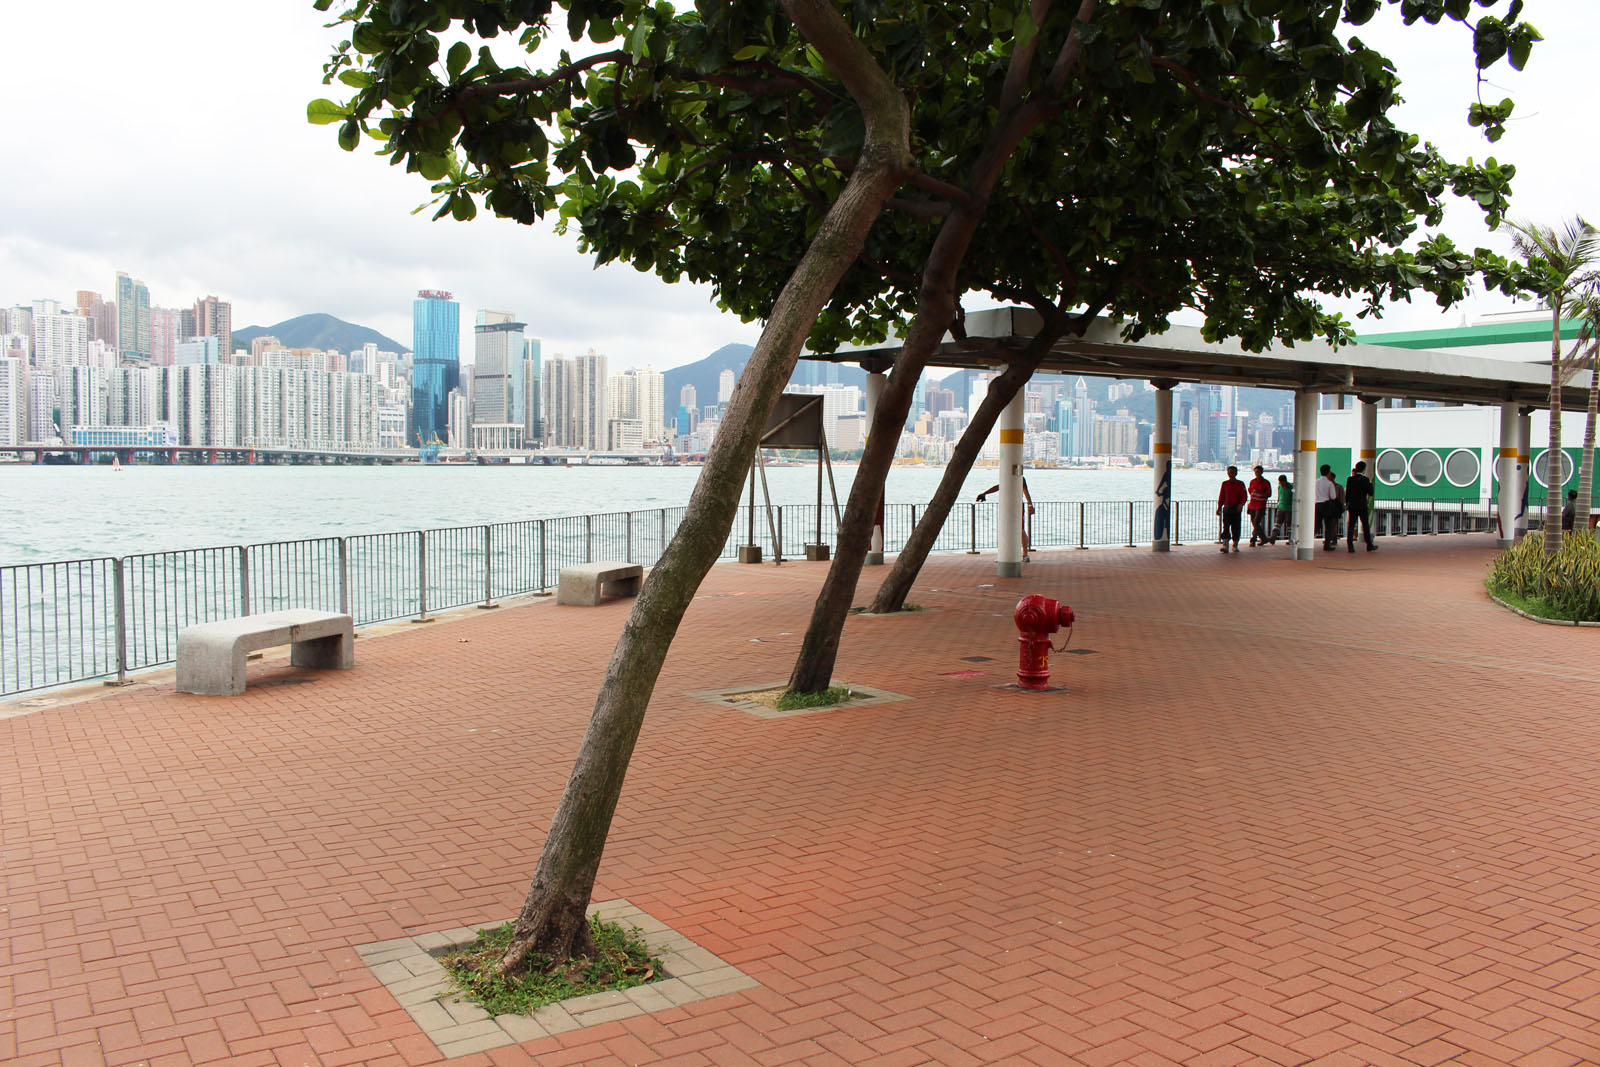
(1230, 502)
(1260, 491)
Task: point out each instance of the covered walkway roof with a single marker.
(995, 336)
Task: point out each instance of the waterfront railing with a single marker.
(79, 620)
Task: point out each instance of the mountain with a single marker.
(319, 331)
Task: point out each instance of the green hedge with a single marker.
(1564, 585)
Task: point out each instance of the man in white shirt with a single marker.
(1328, 508)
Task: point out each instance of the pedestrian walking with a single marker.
(1358, 502)
(1027, 516)
(1260, 491)
(1230, 505)
(1328, 508)
(1285, 514)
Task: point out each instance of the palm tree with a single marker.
(1560, 265)
(1588, 308)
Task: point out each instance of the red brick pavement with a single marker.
(1345, 813)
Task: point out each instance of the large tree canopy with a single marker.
(1130, 156)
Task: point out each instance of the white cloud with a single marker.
(168, 139)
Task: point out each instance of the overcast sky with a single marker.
(168, 139)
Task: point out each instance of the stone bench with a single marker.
(211, 655)
(586, 583)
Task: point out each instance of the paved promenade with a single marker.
(1345, 812)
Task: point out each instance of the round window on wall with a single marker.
(1541, 466)
(1462, 468)
(1391, 467)
(1426, 466)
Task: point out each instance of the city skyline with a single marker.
(298, 226)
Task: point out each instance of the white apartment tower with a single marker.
(725, 382)
(13, 401)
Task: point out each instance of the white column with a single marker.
(875, 383)
(1008, 519)
(1305, 473)
(1161, 462)
(1367, 447)
(1510, 479)
(1524, 469)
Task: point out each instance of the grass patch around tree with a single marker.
(792, 701)
(1563, 585)
(904, 609)
(621, 960)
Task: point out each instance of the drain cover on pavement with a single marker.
(977, 659)
(1081, 651)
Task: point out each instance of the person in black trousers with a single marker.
(1358, 500)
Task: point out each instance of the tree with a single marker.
(1283, 119)
(480, 130)
(1559, 265)
(1588, 308)
(755, 145)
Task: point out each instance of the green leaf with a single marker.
(324, 112)
(456, 61)
(752, 51)
(357, 79)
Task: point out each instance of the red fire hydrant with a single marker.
(1038, 617)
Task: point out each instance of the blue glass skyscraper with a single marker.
(435, 363)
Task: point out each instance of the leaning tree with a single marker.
(757, 147)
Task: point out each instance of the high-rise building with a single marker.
(214, 318)
(13, 401)
(60, 338)
(725, 382)
(558, 395)
(589, 406)
(133, 319)
(532, 397)
(166, 331)
(687, 397)
(652, 405)
(102, 326)
(498, 415)
(435, 363)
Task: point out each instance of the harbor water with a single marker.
(70, 512)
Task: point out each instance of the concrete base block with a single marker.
(874, 559)
(1161, 546)
(1305, 554)
(1503, 542)
(749, 553)
(817, 553)
(1008, 570)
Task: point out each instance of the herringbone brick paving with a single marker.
(1344, 813)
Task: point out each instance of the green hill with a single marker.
(319, 331)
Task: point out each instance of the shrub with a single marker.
(1562, 585)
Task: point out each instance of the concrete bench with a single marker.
(211, 655)
(586, 583)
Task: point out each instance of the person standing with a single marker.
(1358, 501)
(1328, 508)
(1285, 509)
(1569, 514)
(1230, 504)
(1260, 491)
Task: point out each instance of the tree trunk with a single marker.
(552, 920)
(936, 308)
(1555, 484)
(1580, 512)
(908, 563)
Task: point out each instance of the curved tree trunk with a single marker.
(552, 920)
(936, 310)
(1554, 483)
(1580, 512)
(896, 587)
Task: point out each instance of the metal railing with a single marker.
(77, 620)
